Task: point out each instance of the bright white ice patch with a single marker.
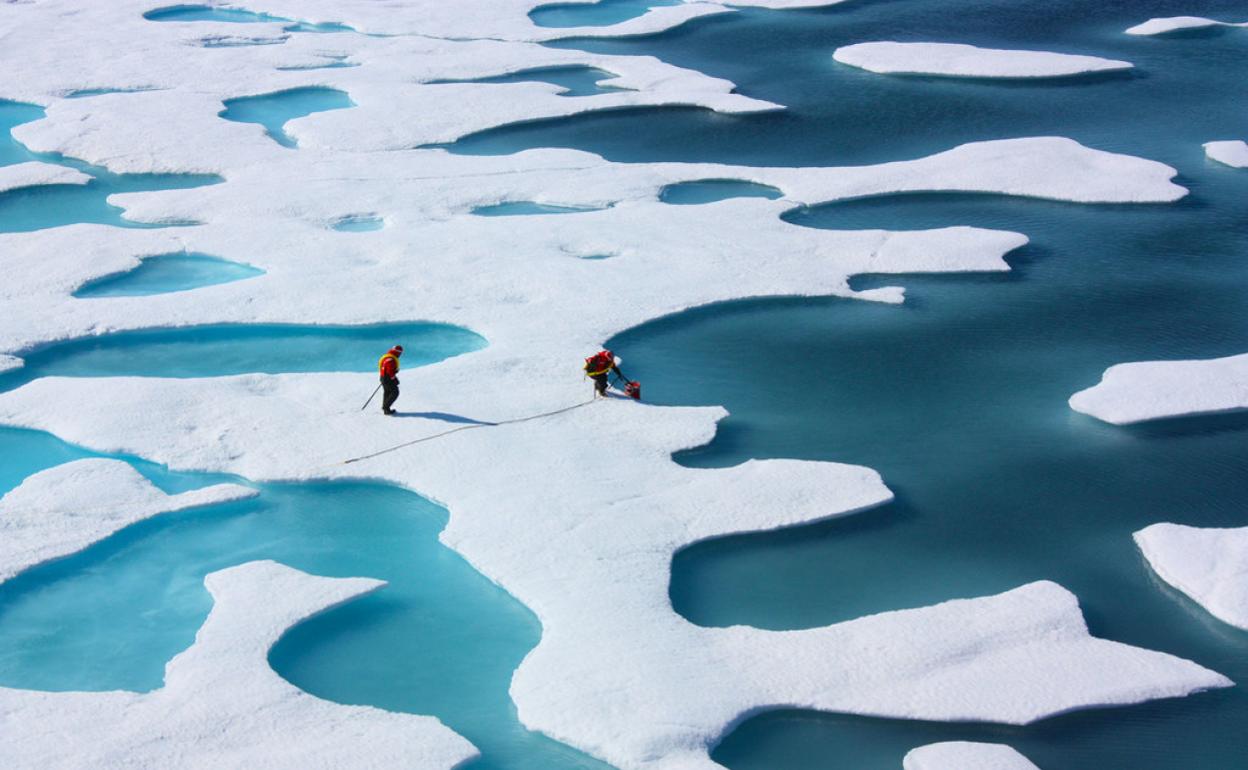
(34, 174)
(222, 706)
(1150, 390)
(1233, 153)
(964, 755)
(958, 60)
(1168, 24)
(1209, 565)
(67, 508)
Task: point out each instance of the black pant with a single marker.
(600, 383)
(390, 389)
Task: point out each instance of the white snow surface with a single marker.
(10, 363)
(595, 573)
(959, 60)
(1150, 390)
(66, 508)
(1233, 153)
(1168, 24)
(34, 174)
(965, 755)
(222, 705)
(1210, 565)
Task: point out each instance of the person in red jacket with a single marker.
(388, 367)
(598, 368)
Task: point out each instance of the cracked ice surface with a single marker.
(964, 755)
(222, 706)
(34, 174)
(596, 575)
(1150, 390)
(1233, 153)
(67, 508)
(958, 60)
(1209, 565)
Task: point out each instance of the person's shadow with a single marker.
(444, 417)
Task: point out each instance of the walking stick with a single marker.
(370, 398)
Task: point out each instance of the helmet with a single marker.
(397, 350)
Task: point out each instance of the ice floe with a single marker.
(1168, 24)
(1150, 390)
(959, 60)
(222, 705)
(1233, 153)
(1209, 565)
(67, 508)
(964, 755)
(597, 573)
(34, 174)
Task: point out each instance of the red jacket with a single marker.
(389, 364)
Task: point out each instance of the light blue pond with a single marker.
(526, 208)
(214, 351)
(578, 81)
(359, 224)
(275, 110)
(236, 16)
(599, 14)
(331, 62)
(85, 93)
(712, 190)
(166, 273)
(34, 208)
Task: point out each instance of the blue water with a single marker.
(34, 208)
(166, 273)
(331, 61)
(214, 351)
(957, 397)
(275, 110)
(525, 208)
(599, 14)
(712, 190)
(359, 224)
(84, 93)
(576, 81)
(237, 16)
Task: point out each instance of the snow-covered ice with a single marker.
(66, 508)
(965, 755)
(959, 60)
(222, 705)
(595, 574)
(1233, 153)
(1210, 565)
(34, 173)
(1168, 24)
(1150, 390)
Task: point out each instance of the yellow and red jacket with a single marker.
(388, 365)
(599, 363)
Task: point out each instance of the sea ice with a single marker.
(1150, 390)
(67, 508)
(34, 174)
(964, 755)
(672, 689)
(958, 60)
(1232, 153)
(1209, 565)
(222, 706)
(1166, 25)
(582, 536)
